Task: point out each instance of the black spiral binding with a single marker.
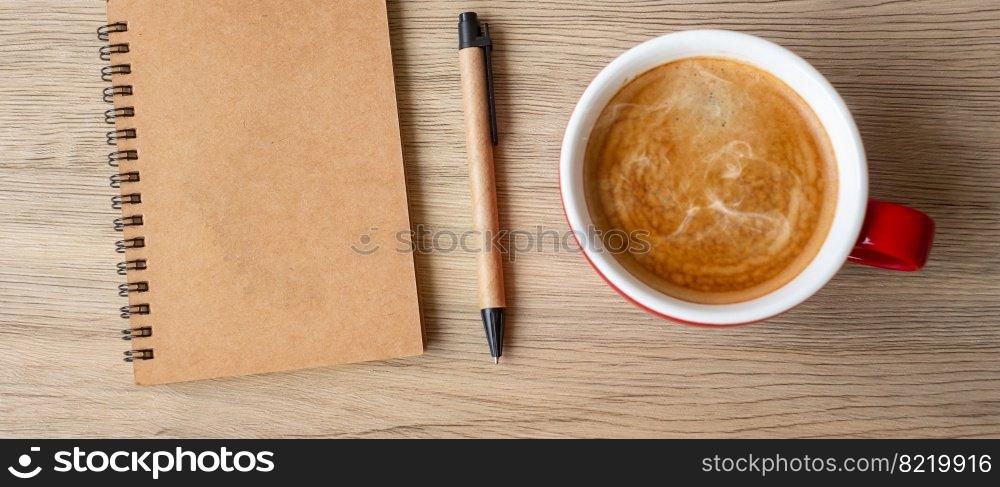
(118, 158)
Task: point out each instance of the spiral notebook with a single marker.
(260, 178)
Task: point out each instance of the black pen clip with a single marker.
(473, 34)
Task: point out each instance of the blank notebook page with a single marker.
(268, 143)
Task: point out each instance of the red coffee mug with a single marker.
(870, 232)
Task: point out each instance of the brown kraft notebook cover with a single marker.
(266, 142)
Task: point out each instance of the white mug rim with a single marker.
(808, 83)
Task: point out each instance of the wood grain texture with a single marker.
(873, 354)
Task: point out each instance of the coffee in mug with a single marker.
(725, 172)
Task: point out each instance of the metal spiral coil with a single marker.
(132, 287)
(143, 354)
(114, 158)
(108, 72)
(118, 201)
(131, 265)
(114, 116)
(134, 309)
(140, 332)
(104, 30)
(122, 178)
(121, 134)
(128, 221)
(118, 90)
(108, 50)
(130, 243)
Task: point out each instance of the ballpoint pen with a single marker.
(476, 65)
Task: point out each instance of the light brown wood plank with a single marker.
(873, 354)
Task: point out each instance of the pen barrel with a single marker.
(479, 147)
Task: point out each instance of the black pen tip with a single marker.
(493, 319)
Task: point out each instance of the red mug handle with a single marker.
(894, 237)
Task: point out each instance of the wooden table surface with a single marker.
(875, 353)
